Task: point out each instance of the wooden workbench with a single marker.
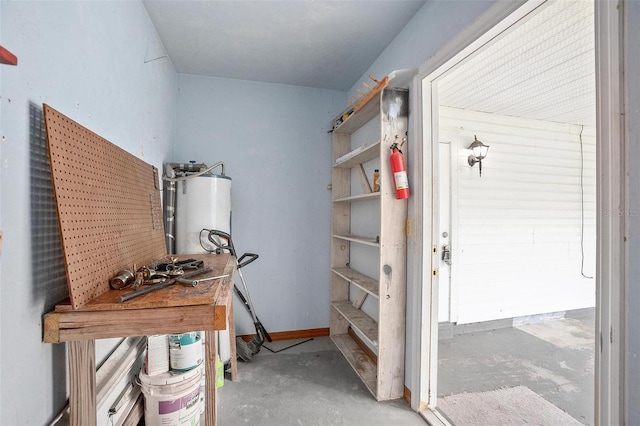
(174, 309)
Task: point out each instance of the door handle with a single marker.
(446, 254)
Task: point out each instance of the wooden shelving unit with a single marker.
(383, 332)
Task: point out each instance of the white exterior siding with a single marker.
(517, 230)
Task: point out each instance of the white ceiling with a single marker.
(324, 44)
(544, 69)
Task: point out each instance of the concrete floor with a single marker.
(310, 384)
(555, 359)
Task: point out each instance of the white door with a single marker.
(444, 238)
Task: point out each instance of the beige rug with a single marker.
(503, 407)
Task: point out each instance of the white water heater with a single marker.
(202, 202)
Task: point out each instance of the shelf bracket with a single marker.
(364, 181)
(360, 300)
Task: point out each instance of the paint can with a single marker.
(203, 390)
(219, 372)
(185, 350)
(172, 399)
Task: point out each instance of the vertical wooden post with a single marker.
(82, 382)
(232, 339)
(211, 388)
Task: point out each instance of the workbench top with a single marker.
(173, 309)
(205, 293)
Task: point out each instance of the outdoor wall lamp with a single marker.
(479, 152)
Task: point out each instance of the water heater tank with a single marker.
(202, 202)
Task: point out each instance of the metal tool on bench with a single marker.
(122, 280)
(163, 284)
(194, 283)
(245, 350)
(181, 264)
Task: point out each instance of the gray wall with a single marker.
(274, 142)
(633, 139)
(87, 60)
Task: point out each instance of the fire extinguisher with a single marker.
(399, 170)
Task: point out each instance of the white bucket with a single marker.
(203, 390)
(185, 350)
(172, 399)
(224, 346)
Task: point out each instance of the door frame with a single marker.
(611, 280)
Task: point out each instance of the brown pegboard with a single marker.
(108, 203)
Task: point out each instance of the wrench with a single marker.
(194, 283)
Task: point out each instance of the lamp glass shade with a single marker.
(479, 149)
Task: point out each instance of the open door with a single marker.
(608, 398)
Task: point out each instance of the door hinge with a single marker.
(408, 227)
(434, 272)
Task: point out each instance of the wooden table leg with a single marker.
(211, 388)
(232, 341)
(82, 382)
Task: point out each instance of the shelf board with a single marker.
(364, 282)
(360, 118)
(358, 320)
(358, 156)
(359, 361)
(369, 106)
(359, 239)
(361, 197)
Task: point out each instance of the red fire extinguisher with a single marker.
(399, 170)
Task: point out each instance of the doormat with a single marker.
(508, 406)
